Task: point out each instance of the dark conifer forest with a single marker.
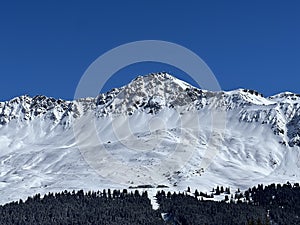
(261, 205)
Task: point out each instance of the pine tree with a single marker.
(196, 193)
(188, 189)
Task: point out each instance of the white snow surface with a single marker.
(157, 130)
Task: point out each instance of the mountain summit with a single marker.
(155, 130)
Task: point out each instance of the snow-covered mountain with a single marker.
(155, 130)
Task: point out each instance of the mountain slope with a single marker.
(155, 130)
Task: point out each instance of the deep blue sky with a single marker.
(46, 47)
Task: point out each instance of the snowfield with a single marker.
(157, 130)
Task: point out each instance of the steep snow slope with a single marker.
(156, 130)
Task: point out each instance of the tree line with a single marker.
(260, 205)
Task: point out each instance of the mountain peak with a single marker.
(150, 93)
(158, 79)
(285, 96)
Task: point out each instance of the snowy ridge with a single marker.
(39, 152)
(156, 91)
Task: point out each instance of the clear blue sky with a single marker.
(46, 47)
